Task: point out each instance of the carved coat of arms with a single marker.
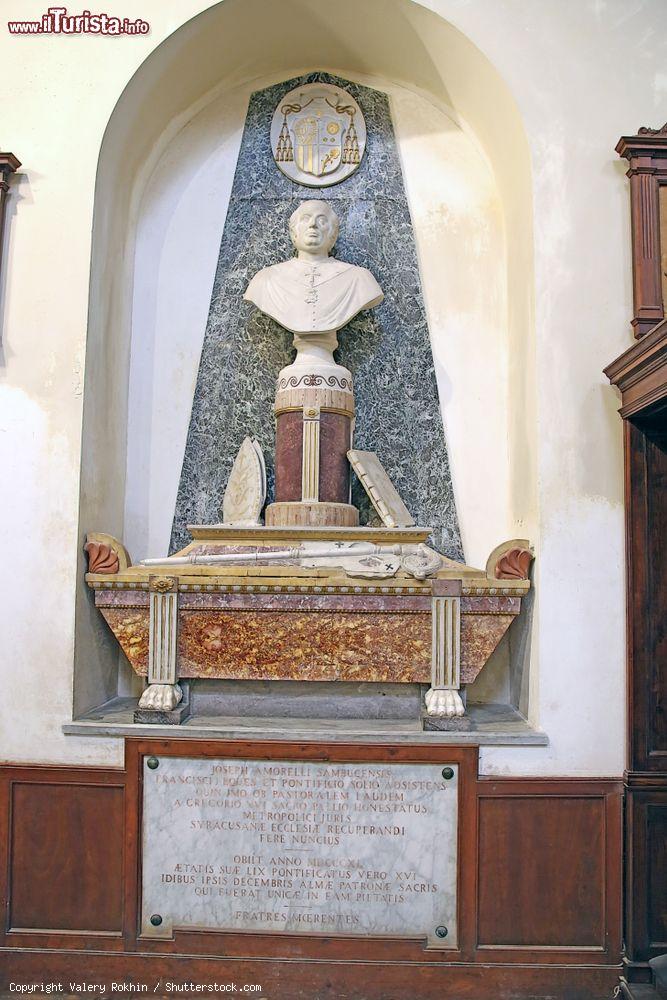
(318, 135)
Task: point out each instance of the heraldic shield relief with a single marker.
(318, 135)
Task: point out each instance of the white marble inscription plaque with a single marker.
(312, 848)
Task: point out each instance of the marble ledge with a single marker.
(490, 725)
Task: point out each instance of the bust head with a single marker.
(313, 227)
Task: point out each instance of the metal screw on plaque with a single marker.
(153, 763)
(156, 920)
(447, 773)
(440, 932)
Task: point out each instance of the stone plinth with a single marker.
(315, 515)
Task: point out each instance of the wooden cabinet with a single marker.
(641, 375)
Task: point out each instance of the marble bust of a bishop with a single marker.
(313, 293)
(313, 296)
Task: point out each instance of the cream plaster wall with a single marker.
(457, 218)
(580, 73)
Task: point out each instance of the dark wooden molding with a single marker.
(8, 165)
(298, 979)
(646, 153)
(641, 372)
(643, 779)
(650, 142)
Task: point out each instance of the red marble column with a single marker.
(329, 415)
(335, 437)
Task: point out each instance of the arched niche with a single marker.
(210, 65)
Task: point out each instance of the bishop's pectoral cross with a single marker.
(311, 275)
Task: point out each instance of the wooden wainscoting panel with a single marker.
(549, 868)
(66, 857)
(545, 876)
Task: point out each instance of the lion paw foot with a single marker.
(161, 697)
(444, 702)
